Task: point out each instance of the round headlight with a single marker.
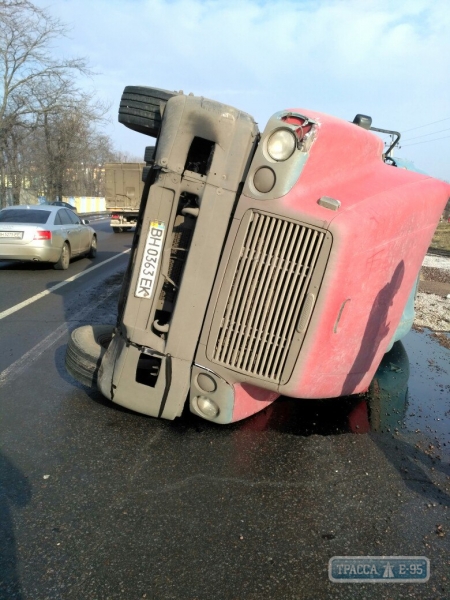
(281, 144)
(207, 407)
(264, 179)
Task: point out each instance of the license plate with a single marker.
(150, 261)
(11, 234)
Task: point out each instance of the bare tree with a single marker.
(127, 157)
(73, 151)
(28, 74)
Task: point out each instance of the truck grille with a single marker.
(267, 295)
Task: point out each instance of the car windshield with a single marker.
(24, 216)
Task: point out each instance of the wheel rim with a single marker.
(94, 244)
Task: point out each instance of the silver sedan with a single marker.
(45, 233)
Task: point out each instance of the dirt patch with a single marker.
(432, 302)
(443, 339)
(435, 287)
(441, 238)
(435, 275)
(432, 311)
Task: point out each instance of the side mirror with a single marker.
(85, 221)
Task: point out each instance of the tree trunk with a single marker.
(3, 202)
(15, 174)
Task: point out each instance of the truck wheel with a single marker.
(85, 351)
(141, 108)
(64, 259)
(117, 229)
(388, 392)
(384, 405)
(149, 155)
(145, 172)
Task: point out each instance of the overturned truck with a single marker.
(263, 264)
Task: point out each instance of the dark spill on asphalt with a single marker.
(410, 394)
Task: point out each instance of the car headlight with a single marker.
(281, 144)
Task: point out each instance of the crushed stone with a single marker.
(433, 310)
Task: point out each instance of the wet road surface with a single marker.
(99, 502)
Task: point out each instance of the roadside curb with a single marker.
(434, 287)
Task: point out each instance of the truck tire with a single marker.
(145, 172)
(141, 108)
(117, 229)
(85, 351)
(149, 155)
(388, 392)
(384, 405)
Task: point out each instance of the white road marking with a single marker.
(21, 305)
(29, 357)
(24, 361)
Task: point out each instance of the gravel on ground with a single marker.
(433, 298)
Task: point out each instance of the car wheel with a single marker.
(93, 249)
(85, 351)
(141, 108)
(64, 259)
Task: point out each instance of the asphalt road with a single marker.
(19, 282)
(97, 502)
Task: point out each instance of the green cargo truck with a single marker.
(124, 187)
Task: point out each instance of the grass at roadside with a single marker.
(441, 238)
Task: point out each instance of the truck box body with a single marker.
(124, 188)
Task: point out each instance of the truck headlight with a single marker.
(281, 144)
(207, 407)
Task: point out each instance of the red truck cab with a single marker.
(264, 264)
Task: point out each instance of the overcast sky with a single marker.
(387, 59)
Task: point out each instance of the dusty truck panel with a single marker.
(380, 230)
(194, 208)
(124, 187)
(281, 262)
